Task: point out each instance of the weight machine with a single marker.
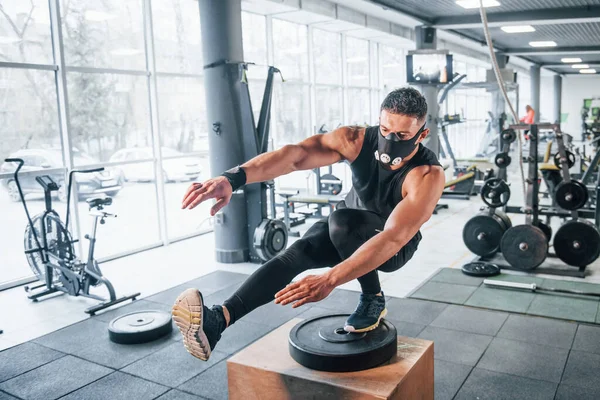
(525, 247)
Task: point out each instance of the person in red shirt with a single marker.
(528, 119)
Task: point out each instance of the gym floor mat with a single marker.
(450, 285)
(478, 353)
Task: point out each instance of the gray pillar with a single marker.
(222, 40)
(502, 60)
(426, 38)
(498, 103)
(535, 91)
(557, 98)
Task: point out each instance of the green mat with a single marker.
(450, 285)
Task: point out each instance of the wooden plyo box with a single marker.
(265, 370)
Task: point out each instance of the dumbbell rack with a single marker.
(533, 211)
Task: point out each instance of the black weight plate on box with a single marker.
(571, 195)
(480, 269)
(495, 192)
(482, 234)
(525, 247)
(320, 343)
(547, 229)
(577, 243)
(509, 135)
(570, 159)
(140, 327)
(502, 160)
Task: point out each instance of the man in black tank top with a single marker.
(396, 184)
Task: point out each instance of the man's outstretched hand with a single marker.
(217, 188)
(310, 289)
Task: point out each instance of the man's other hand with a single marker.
(310, 289)
(217, 188)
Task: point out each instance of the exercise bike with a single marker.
(50, 252)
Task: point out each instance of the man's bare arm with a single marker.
(316, 151)
(424, 187)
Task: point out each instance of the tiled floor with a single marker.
(452, 286)
(478, 353)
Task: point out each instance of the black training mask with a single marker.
(391, 150)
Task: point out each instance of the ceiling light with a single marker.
(125, 52)
(475, 3)
(587, 71)
(580, 66)
(98, 16)
(518, 28)
(547, 43)
(571, 60)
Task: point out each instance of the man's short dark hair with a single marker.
(406, 101)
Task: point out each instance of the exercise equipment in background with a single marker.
(50, 252)
(534, 287)
(322, 344)
(266, 236)
(482, 233)
(525, 247)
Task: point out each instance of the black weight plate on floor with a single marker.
(482, 234)
(321, 343)
(577, 243)
(504, 217)
(571, 195)
(547, 229)
(140, 327)
(481, 269)
(570, 159)
(525, 247)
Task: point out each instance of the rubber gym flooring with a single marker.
(478, 353)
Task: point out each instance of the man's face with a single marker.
(403, 126)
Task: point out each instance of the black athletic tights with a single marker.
(325, 244)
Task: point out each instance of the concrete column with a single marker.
(557, 97)
(426, 38)
(222, 40)
(535, 91)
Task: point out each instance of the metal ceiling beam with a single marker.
(552, 50)
(552, 16)
(565, 65)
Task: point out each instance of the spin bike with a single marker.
(50, 252)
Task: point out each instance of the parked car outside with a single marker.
(174, 169)
(89, 185)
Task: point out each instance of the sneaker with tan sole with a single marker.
(200, 326)
(368, 314)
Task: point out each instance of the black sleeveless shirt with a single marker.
(375, 188)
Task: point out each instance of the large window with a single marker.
(25, 31)
(357, 62)
(107, 113)
(328, 57)
(328, 108)
(393, 67)
(110, 84)
(290, 42)
(103, 34)
(177, 37)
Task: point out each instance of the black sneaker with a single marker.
(200, 326)
(370, 310)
